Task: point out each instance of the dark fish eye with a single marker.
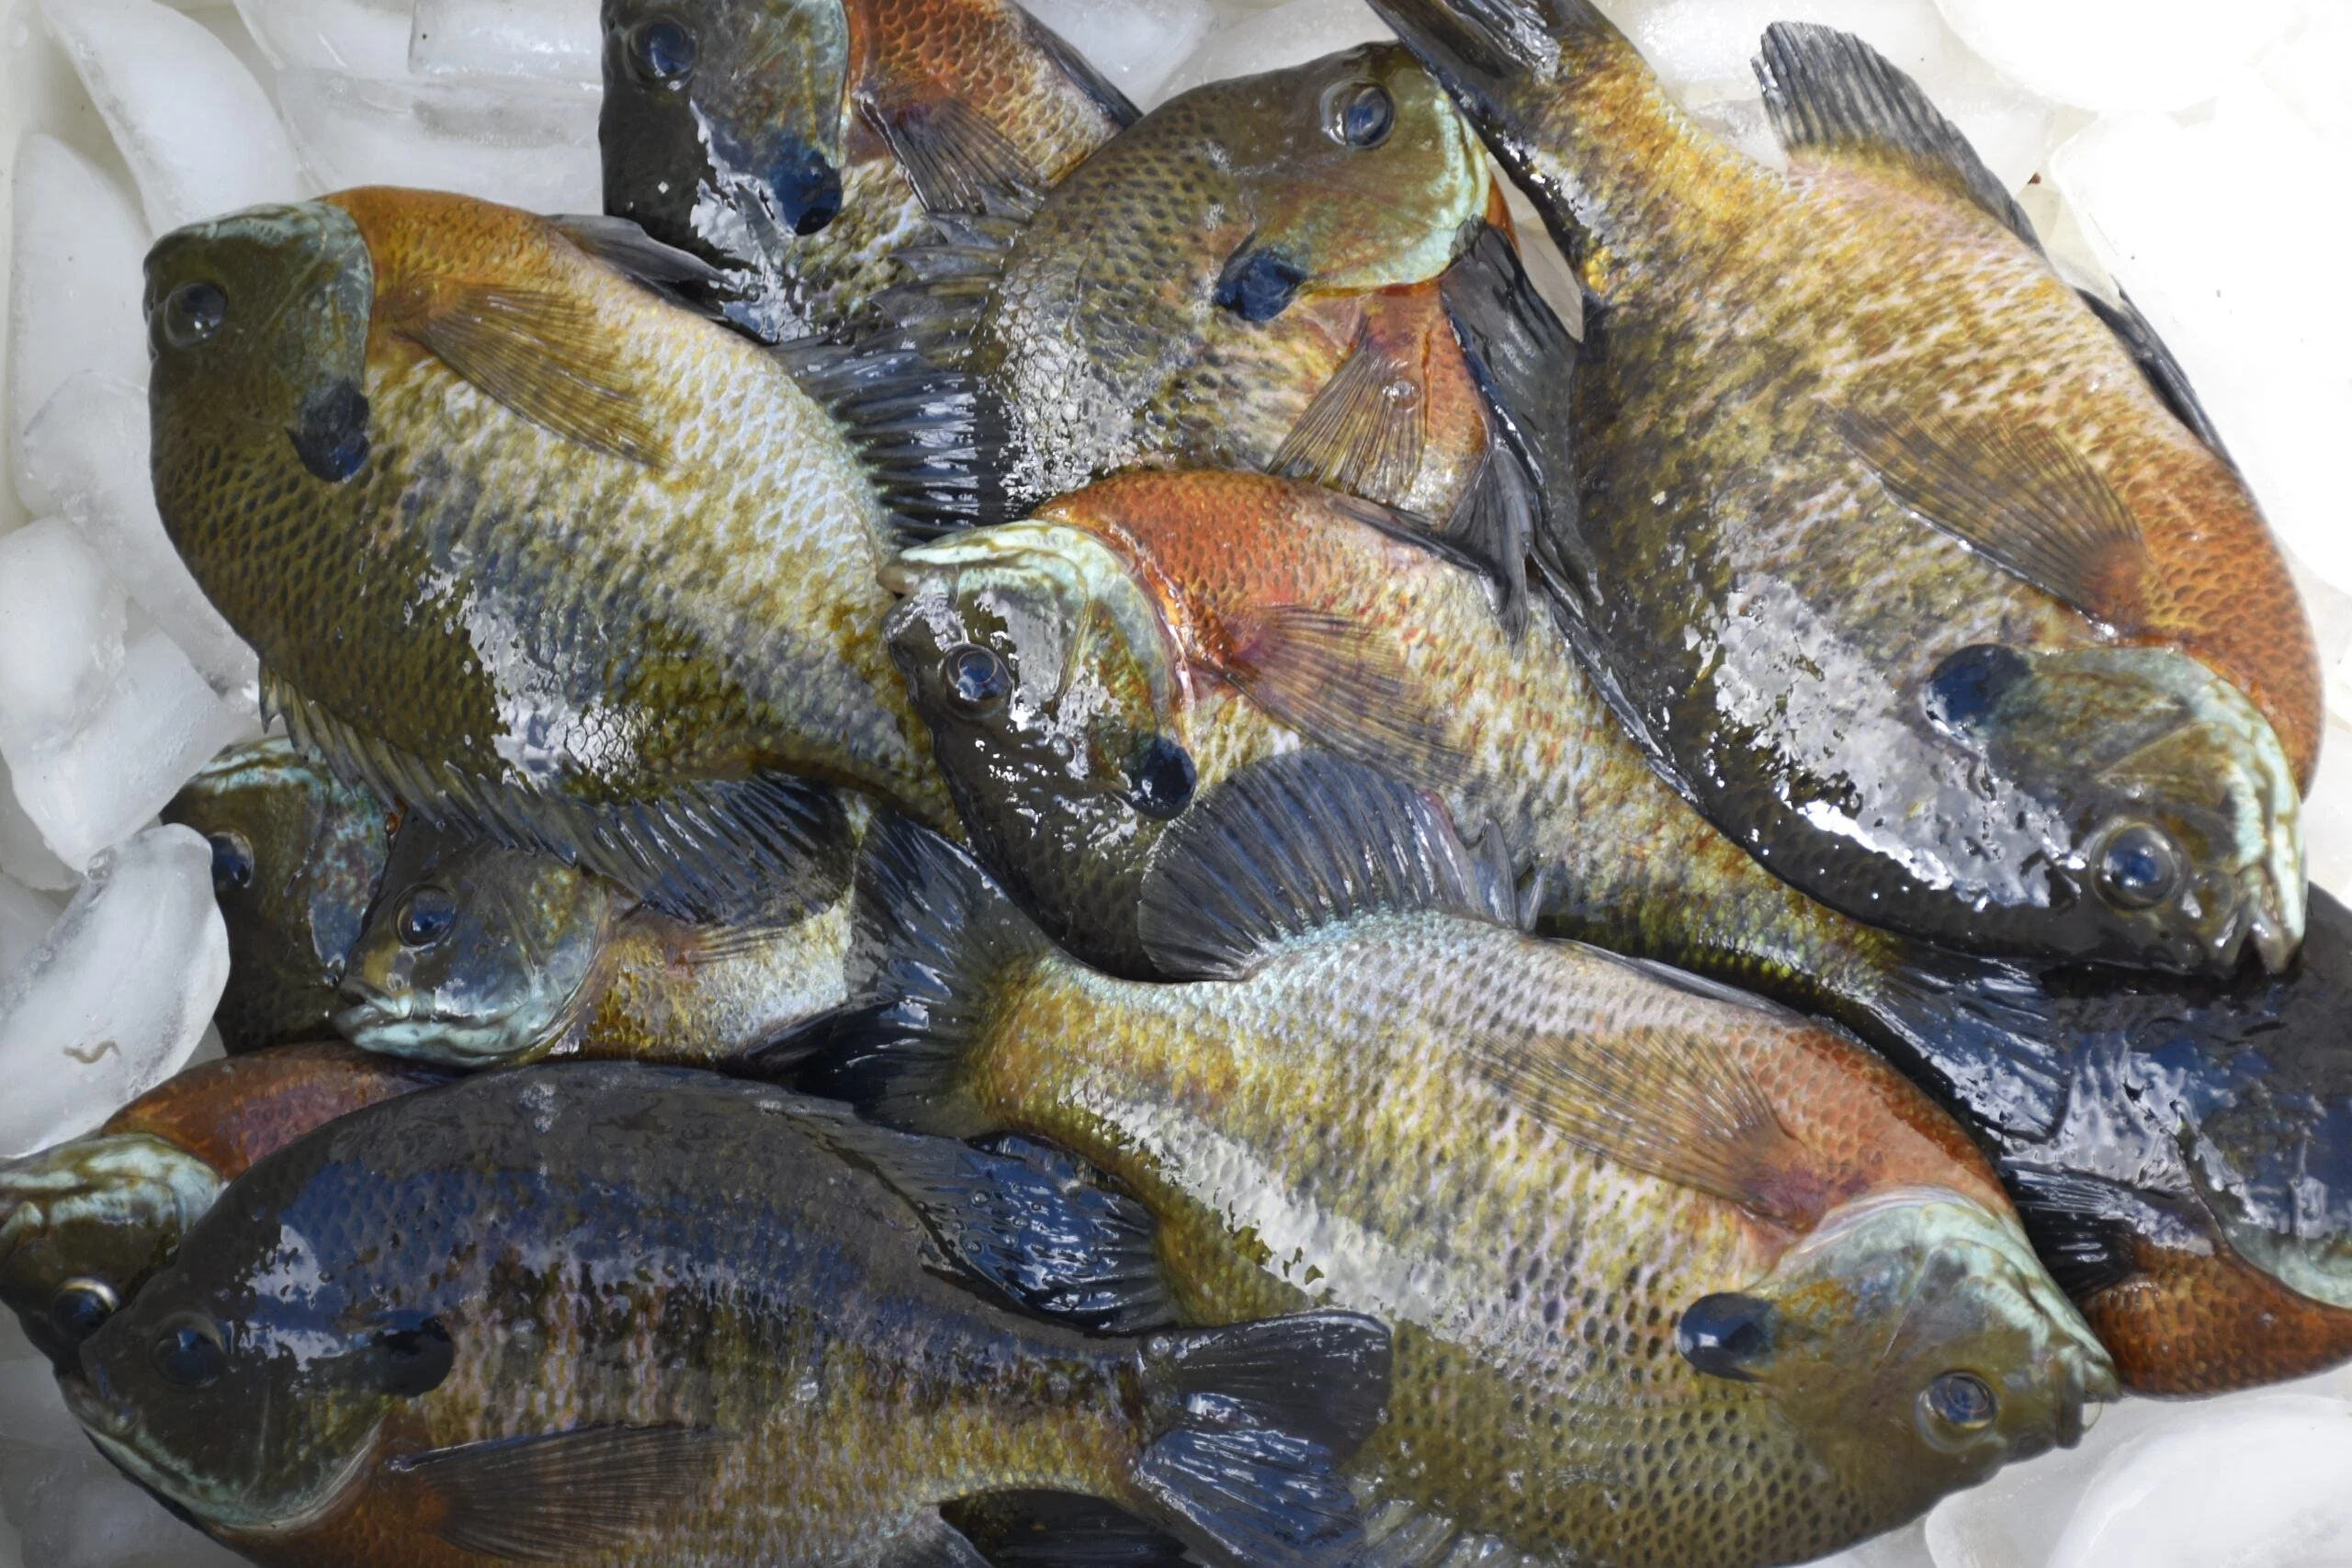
(232, 862)
(1164, 777)
(1723, 1335)
(193, 312)
(2140, 868)
(974, 676)
(1361, 115)
(417, 1355)
(188, 1351)
(427, 916)
(662, 50)
(80, 1305)
(1961, 1400)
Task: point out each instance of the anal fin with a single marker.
(552, 1496)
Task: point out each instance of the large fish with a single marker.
(2175, 1145)
(477, 955)
(1922, 576)
(84, 1224)
(798, 145)
(523, 543)
(615, 1312)
(296, 856)
(1629, 1228)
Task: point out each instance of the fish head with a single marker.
(1052, 694)
(2183, 819)
(474, 953)
(257, 330)
(85, 1224)
(1915, 1344)
(1354, 172)
(296, 857)
(723, 121)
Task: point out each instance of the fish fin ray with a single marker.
(2164, 373)
(1059, 1530)
(1116, 105)
(2017, 493)
(1355, 436)
(1342, 683)
(951, 155)
(1491, 525)
(547, 358)
(678, 275)
(2081, 1227)
(1982, 1031)
(950, 280)
(1290, 844)
(929, 1541)
(935, 440)
(551, 1494)
(1831, 94)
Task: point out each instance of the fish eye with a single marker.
(662, 50)
(1164, 777)
(427, 916)
(81, 1304)
(1724, 1335)
(2138, 868)
(417, 1355)
(1359, 114)
(188, 1351)
(232, 862)
(193, 312)
(1961, 1400)
(974, 676)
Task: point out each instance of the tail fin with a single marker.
(1262, 1414)
(936, 938)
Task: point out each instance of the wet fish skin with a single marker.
(777, 154)
(1938, 539)
(698, 1309)
(519, 957)
(296, 856)
(1265, 1117)
(1414, 673)
(617, 621)
(85, 1224)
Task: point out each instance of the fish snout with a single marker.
(94, 1401)
(370, 1003)
(805, 187)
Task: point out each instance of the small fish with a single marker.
(1922, 576)
(797, 144)
(83, 1224)
(477, 955)
(616, 1311)
(296, 857)
(1093, 675)
(1629, 1228)
(530, 546)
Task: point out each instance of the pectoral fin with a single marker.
(557, 1496)
(2018, 494)
(1341, 682)
(545, 356)
(1365, 429)
(956, 160)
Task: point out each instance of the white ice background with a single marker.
(2199, 154)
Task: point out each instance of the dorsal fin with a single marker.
(675, 275)
(2164, 373)
(1116, 105)
(933, 439)
(1830, 95)
(1292, 843)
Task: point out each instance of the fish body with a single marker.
(1547, 1168)
(1922, 578)
(83, 1224)
(296, 857)
(798, 145)
(1095, 675)
(607, 590)
(611, 1313)
(479, 954)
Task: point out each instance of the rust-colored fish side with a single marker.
(231, 1112)
(2190, 1323)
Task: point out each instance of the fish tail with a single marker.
(1259, 1416)
(1489, 52)
(936, 941)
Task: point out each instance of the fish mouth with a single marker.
(406, 1025)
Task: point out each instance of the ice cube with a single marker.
(1701, 41)
(2015, 1517)
(75, 1509)
(367, 38)
(197, 129)
(2114, 55)
(24, 854)
(60, 634)
(1286, 35)
(530, 145)
(1137, 43)
(158, 725)
(88, 448)
(2259, 1483)
(2311, 69)
(25, 918)
(2327, 811)
(561, 40)
(117, 995)
(73, 286)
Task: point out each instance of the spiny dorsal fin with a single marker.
(2018, 493)
(553, 1495)
(951, 279)
(1292, 843)
(2165, 375)
(933, 439)
(1831, 94)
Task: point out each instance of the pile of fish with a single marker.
(1012, 832)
